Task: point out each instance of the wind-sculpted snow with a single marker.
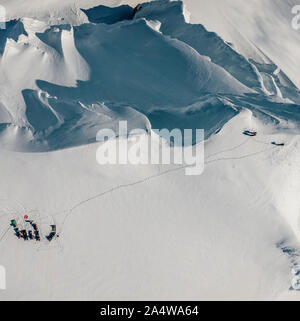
(147, 231)
(102, 14)
(249, 72)
(14, 29)
(173, 23)
(56, 80)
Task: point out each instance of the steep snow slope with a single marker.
(81, 67)
(140, 71)
(254, 26)
(265, 24)
(254, 69)
(174, 23)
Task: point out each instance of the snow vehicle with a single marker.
(249, 133)
(278, 144)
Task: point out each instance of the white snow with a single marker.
(150, 231)
(266, 26)
(145, 241)
(86, 59)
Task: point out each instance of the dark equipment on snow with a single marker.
(18, 235)
(37, 235)
(52, 233)
(24, 234)
(249, 133)
(277, 144)
(50, 236)
(34, 226)
(36, 232)
(30, 235)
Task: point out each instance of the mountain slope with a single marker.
(160, 67)
(148, 231)
(137, 72)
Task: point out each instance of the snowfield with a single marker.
(71, 68)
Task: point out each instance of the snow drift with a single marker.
(123, 59)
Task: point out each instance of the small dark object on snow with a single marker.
(52, 233)
(37, 235)
(18, 235)
(277, 144)
(138, 8)
(34, 226)
(24, 234)
(50, 236)
(249, 133)
(30, 235)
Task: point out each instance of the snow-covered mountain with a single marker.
(70, 68)
(79, 78)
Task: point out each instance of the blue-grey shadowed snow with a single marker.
(83, 127)
(265, 108)
(140, 74)
(14, 28)
(206, 43)
(134, 64)
(209, 113)
(38, 115)
(78, 124)
(293, 254)
(277, 81)
(52, 37)
(103, 14)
